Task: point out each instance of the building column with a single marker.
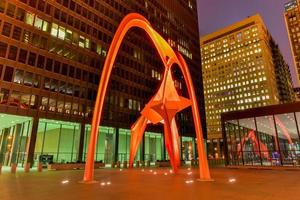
(31, 145)
(15, 144)
(3, 144)
(163, 148)
(180, 148)
(218, 148)
(116, 150)
(81, 142)
(142, 153)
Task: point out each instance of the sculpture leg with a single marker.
(169, 145)
(137, 132)
(176, 142)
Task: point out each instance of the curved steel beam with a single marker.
(166, 54)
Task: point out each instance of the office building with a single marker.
(292, 21)
(242, 68)
(51, 56)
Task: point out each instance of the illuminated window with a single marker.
(38, 23)
(54, 30)
(61, 33)
(29, 18)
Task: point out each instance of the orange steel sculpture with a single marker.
(161, 108)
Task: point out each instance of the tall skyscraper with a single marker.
(51, 55)
(292, 21)
(242, 68)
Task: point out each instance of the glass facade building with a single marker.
(51, 57)
(265, 136)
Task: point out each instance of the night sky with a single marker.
(216, 14)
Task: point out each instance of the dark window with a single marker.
(22, 56)
(56, 67)
(11, 10)
(6, 29)
(49, 64)
(63, 17)
(66, 3)
(1, 68)
(72, 5)
(91, 77)
(71, 72)
(12, 54)
(32, 58)
(41, 61)
(41, 5)
(20, 14)
(3, 49)
(64, 70)
(56, 13)
(76, 91)
(32, 3)
(85, 75)
(2, 6)
(43, 43)
(48, 9)
(8, 74)
(70, 20)
(17, 33)
(78, 73)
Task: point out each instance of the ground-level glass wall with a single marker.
(57, 139)
(271, 140)
(15, 132)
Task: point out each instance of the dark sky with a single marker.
(216, 14)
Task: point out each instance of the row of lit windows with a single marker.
(232, 52)
(230, 56)
(62, 33)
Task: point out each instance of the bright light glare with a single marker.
(231, 180)
(65, 181)
(189, 181)
(155, 173)
(103, 183)
(189, 168)
(189, 173)
(171, 171)
(165, 173)
(108, 183)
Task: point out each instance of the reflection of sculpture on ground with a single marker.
(162, 107)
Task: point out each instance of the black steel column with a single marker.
(81, 142)
(116, 152)
(30, 151)
(225, 150)
(296, 121)
(15, 144)
(240, 141)
(278, 143)
(143, 148)
(3, 144)
(257, 136)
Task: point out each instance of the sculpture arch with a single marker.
(168, 57)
